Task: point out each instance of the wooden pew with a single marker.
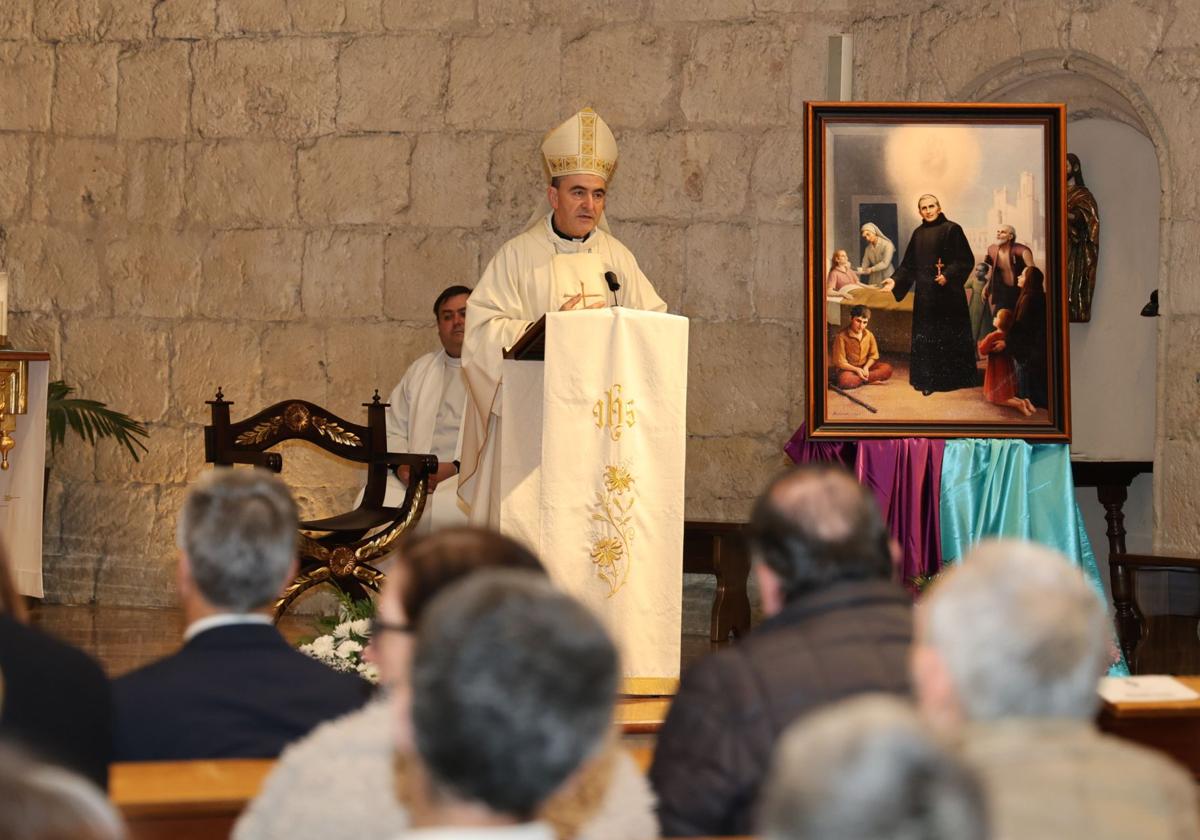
(1171, 728)
(185, 800)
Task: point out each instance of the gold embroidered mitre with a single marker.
(584, 144)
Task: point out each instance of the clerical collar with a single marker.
(567, 237)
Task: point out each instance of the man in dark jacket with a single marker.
(836, 626)
(237, 689)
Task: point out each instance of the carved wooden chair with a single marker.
(339, 550)
(1154, 644)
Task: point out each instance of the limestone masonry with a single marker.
(266, 195)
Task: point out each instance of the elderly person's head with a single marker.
(815, 526)
(424, 567)
(237, 538)
(513, 685)
(1014, 631)
(868, 768)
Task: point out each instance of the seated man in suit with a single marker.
(1008, 649)
(512, 693)
(837, 626)
(237, 689)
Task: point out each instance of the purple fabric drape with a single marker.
(804, 451)
(905, 474)
(906, 477)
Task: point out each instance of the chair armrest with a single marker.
(1152, 562)
(272, 461)
(401, 459)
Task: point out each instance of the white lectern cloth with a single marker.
(592, 472)
(21, 486)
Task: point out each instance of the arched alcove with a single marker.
(1114, 358)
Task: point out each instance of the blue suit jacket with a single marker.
(238, 691)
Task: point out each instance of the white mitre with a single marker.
(584, 144)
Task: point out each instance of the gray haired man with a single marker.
(513, 685)
(236, 689)
(1008, 650)
(867, 768)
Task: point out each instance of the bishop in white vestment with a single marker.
(566, 259)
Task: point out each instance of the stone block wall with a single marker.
(267, 195)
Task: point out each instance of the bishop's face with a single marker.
(1004, 236)
(929, 208)
(578, 201)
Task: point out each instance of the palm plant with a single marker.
(91, 420)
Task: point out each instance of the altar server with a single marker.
(425, 415)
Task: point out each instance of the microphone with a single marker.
(610, 277)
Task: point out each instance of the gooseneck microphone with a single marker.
(610, 277)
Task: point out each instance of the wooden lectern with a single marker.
(592, 469)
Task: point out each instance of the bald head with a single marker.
(816, 525)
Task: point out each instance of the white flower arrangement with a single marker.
(347, 636)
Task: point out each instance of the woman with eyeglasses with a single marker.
(342, 779)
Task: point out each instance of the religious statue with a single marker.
(1083, 242)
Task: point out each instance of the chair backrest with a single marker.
(246, 442)
(1156, 643)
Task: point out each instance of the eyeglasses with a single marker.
(378, 625)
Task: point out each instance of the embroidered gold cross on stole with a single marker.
(582, 297)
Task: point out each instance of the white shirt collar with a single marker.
(222, 620)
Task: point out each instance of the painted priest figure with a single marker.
(559, 262)
(936, 264)
(425, 415)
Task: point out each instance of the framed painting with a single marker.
(936, 292)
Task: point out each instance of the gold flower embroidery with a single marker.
(617, 479)
(612, 539)
(606, 553)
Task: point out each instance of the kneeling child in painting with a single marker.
(856, 355)
(1000, 379)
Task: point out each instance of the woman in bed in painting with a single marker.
(841, 280)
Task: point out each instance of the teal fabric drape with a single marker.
(1010, 488)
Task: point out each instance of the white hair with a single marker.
(1021, 632)
(238, 530)
(868, 768)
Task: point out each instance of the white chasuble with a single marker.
(592, 474)
(525, 280)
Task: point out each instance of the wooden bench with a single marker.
(1172, 728)
(719, 549)
(185, 800)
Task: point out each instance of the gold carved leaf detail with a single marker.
(336, 433)
(264, 430)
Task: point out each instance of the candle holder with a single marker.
(14, 379)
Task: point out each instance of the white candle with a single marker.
(3, 303)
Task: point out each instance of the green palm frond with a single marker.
(91, 420)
